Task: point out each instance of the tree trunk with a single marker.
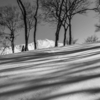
(12, 41)
(35, 26)
(65, 32)
(57, 34)
(22, 8)
(70, 33)
(12, 44)
(34, 36)
(35, 44)
(26, 37)
(56, 39)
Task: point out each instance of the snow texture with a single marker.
(61, 73)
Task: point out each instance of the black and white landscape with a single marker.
(49, 50)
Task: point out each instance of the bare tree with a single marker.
(30, 9)
(92, 39)
(76, 7)
(23, 10)
(32, 18)
(53, 10)
(62, 12)
(9, 18)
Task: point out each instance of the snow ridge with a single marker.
(40, 45)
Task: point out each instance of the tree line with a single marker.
(28, 15)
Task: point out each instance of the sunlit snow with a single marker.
(40, 45)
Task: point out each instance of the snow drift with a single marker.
(40, 45)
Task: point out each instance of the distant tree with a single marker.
(74, 41)
(9, 18)
(24, 14)
(92, 39)
(4, 42)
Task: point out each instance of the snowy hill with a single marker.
(40, 45)
(62, 73)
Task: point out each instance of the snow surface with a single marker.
(40, 45)
(61, 73)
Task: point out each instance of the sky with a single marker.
(82, 27)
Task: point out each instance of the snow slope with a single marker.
(62, 73)
(40, 45)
